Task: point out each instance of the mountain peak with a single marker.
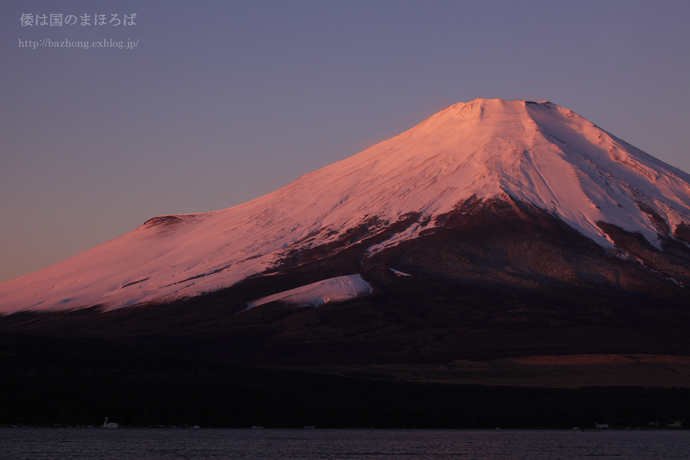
(539, 154)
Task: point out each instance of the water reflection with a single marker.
(154, 444)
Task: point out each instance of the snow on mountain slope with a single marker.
(541, 154)
(320, 293)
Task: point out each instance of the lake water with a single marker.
(154, 444)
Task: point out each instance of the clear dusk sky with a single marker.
(224, 101)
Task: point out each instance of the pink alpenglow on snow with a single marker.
(537, 153)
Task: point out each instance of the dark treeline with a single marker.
(80, 382)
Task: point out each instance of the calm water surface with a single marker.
(154, 444)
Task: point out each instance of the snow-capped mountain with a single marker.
(459, 167)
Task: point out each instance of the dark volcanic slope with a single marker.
(494, 279)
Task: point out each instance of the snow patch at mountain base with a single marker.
(336, 289)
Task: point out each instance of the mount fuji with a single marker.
(496, 245)
(489, 192)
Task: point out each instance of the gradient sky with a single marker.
(222, 102)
